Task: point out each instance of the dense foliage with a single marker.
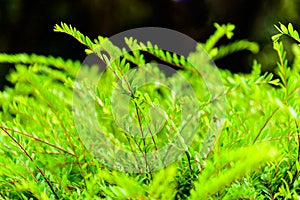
(254, 155)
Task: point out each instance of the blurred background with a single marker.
(27, 26)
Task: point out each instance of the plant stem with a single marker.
(265, 124)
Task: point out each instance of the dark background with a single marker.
(27, 26)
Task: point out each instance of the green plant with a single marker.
(254, 156)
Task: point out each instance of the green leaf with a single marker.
(290, 28)
(283, 29)
(276, 37)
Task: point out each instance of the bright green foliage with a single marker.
(256, 154)
(219, 52)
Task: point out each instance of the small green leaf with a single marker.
(175, 59)
(284, 29)
(182, 60)
(290, 28)
(278, 29)
(296, 35)
(168, 56)
(276, 37)
(149, 45)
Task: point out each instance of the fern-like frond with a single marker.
(222, 30)
(289, 31)
(241, 161)
(236, 46)
(172, 58)
(69, 66)
(68, 29)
